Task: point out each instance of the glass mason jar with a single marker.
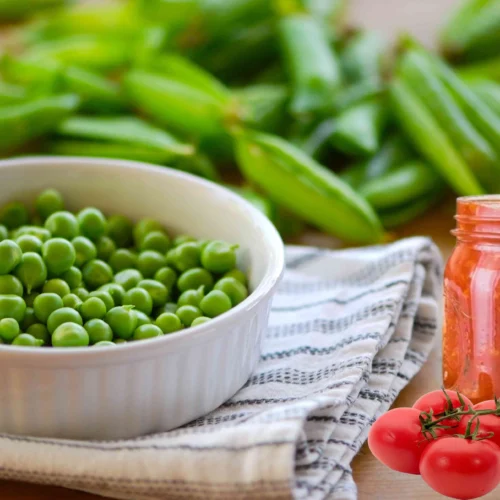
(471, 334)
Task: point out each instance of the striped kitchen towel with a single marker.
(348, 330)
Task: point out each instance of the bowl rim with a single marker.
(174, 341)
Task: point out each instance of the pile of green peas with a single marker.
(75, 280)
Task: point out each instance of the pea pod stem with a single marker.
(430, 139)
(294, 180)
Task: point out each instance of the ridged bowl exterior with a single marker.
(159, 384)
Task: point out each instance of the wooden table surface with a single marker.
(374, 481)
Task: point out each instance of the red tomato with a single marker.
(461, 468)
(487, 423)
(396, 440)
(437, 402)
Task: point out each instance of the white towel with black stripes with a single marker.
(348, 330)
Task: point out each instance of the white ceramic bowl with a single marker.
(155, 385)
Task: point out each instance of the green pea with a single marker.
(49, 202)
(59, 255)
(149, 262)
(73, 277)
(123, 321)
(105, 248)
(27, 340)
(183, 238)
(93, 308)
(70, 335)
(10, 256)
(105, 297)
(63, 315)
(237, 274)
(129, 278)
(97, 273)
(200, 321)
(12, 306)
(167, 276)
(32, 271)
(119, 341)
(139, 298)
(41, 233)
(123, 259)
(4, 232)
(73, 301)
(191, 297)
(62, 225)
(9, 329)
(157, 291)
(170, 257)
(169, 307)
(40, 331)
(14, 214)
(29, 243)
(116, 291)
(194, 278)
(29, 319)
(155, 240)
(186, 256)
(215, 303)
(144, 227)
(234, 289)
(81, 293)
(85, 250)
(120, 230)
(57, 286)
(45, 304)
(30, 298)
(146, 332)
(142, 319)
(187, 314)
(98, 330)
(92, 223)
(168, 322)
(104, 343)
(219, 257)
(10, 285)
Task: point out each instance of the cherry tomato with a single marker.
(396, 439)
(436, 401)
(487, 423)
(461, 468)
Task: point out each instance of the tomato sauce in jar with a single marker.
(471, 334)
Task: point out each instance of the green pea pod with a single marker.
(173, 14)
(399, 216)
(99, 18)
(430, 140)
(358, 129)
(183, 108)
(489, 92)
(297, 182)
(199, 164)
(452, 32)
(20, 123)
(394, 151)
(329, 12)
(178, 68)
(89, 51)
(317, 142)
(152, 40)
(312, 64)
(418, 73)
(259, 202)
(123, 130)
(490, 68)
(265, 105)
(356, 93)
(363, 58)
(479, 36)
(405, 184)
(14, 10)
(11, 94)
(97, 93)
